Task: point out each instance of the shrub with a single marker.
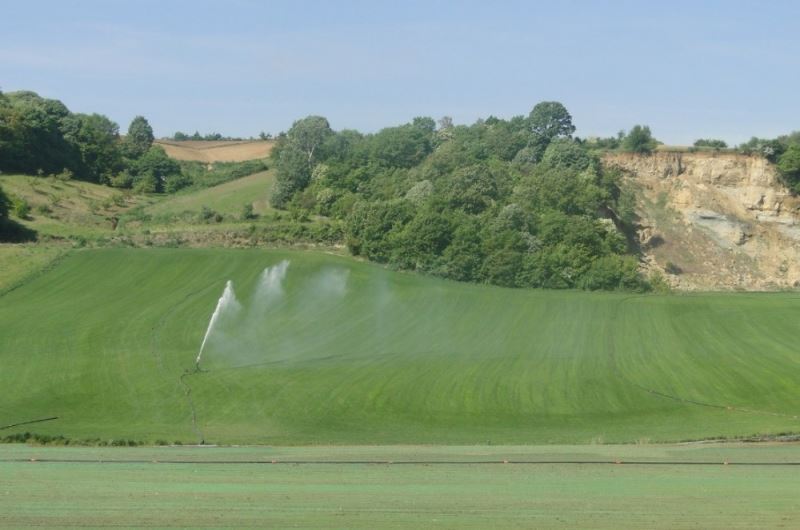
(21, 207)
(247, 212)
(614, 273)
(207, 215)
(146, 183)
(672, 268)
(639, 140)
(177, 182)
(65, 175)
(789, 167)
(711, 143)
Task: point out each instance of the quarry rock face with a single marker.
(714, 221)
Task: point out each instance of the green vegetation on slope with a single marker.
(63, 214)
(40, 136)
(517, 203)
(68, 209)
(228, 199)
(343, 352)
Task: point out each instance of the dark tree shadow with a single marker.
(13, 232)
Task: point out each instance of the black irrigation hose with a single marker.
(621, 376)
(405, 462)
(44, 269)
(28, 422)
(162, 322)
(154, 346)
(188, 391)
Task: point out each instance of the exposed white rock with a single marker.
(724, 219)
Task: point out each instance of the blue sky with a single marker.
(688, 69)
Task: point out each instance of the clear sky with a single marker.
(725, 69)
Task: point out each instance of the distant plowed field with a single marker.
(221, 151)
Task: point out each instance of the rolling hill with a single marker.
(324, 349)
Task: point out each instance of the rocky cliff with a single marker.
(712, 221)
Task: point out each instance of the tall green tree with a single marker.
(139, 138)
(308, 134)
(97, 140)
(154, 169)
(295, 156)
(550, 120)
(32, 132)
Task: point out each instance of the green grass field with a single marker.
(424, 487)
(349, 353)
(228, 198)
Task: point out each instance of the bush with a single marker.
(614, 273)
(711, 143)
(146, 183)
(789, 167)
(247, 213)
(639, 140)
(123, 179)
(207, 215)
(176, 182)
(672, 268)
(21, 208)
(65, 175)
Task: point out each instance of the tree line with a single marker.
(517, 203)
(40, 136)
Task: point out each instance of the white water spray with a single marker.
(226, 302)
(270, 282)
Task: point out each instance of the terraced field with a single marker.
(332, 351)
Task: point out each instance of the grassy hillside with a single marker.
(227, 198)
(69, 208)
(343, 352)
(65, 214)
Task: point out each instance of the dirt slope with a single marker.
(715, 220)
(222, 151)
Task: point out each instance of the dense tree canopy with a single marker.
(516, 202)
(96, 139)
(40, 136)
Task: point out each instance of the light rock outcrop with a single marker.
(714, 221)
